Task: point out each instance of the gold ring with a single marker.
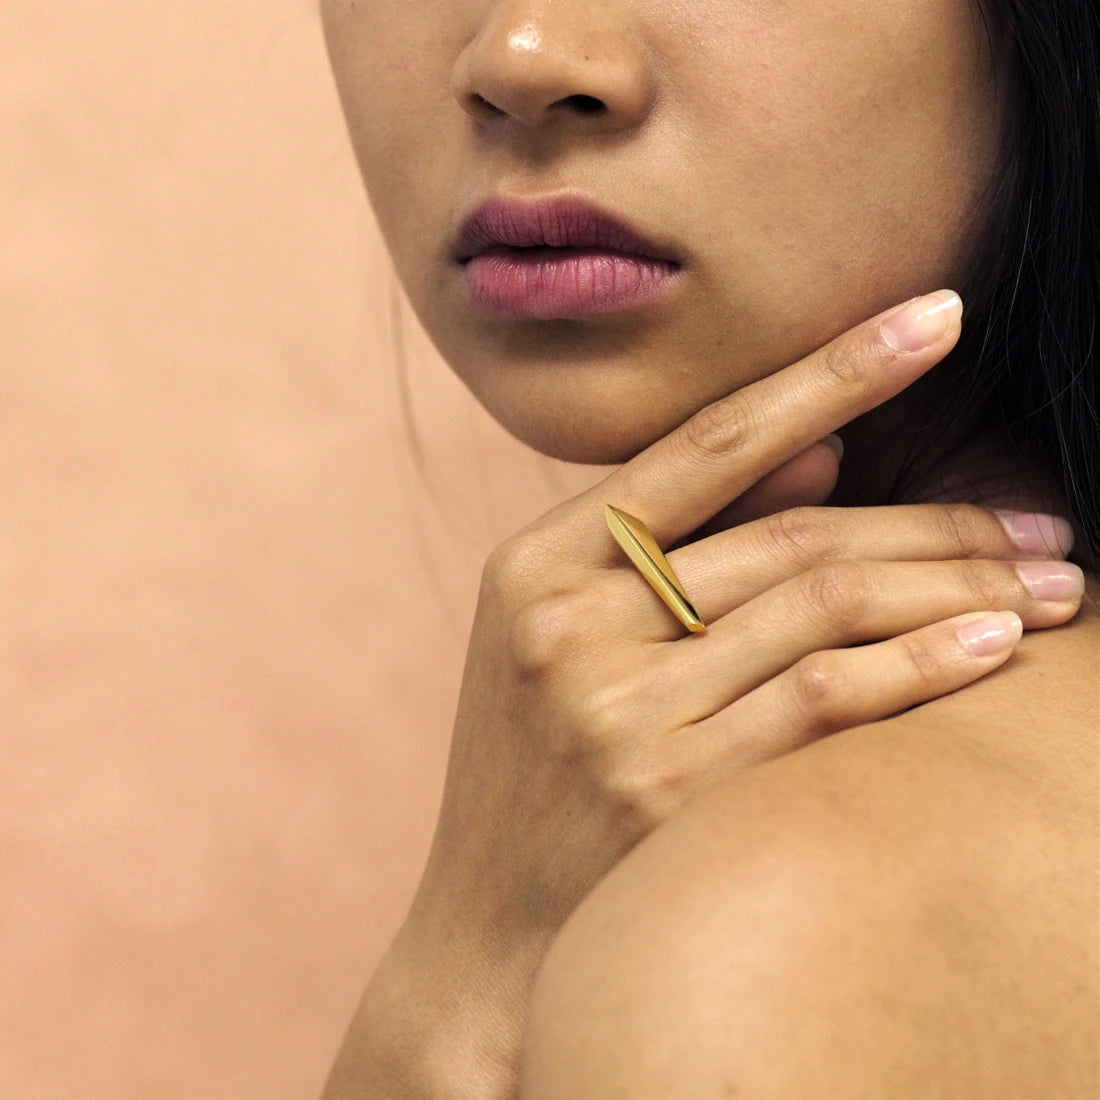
(642, 549)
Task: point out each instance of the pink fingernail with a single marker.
(991, 635)
(921, 323)
(1037, 533)
(1052, 580)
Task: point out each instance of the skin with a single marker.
(907, 909)
(724, 120)
(814, 164)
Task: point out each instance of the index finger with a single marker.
(683, 479)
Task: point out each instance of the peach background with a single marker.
(233, 617)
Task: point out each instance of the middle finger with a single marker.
(728, 569)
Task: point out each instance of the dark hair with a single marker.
(1026, 363)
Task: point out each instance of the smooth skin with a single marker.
(752, 875)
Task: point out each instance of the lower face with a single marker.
(812, 161)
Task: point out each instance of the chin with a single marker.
(594, 409)
(586, 437)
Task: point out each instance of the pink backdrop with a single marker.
(233, 619)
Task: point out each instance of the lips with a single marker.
(563, 222)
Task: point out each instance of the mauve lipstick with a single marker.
(559, 257)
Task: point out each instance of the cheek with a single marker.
(850, 147)
(391, 62)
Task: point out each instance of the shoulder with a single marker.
(908, 908)
(1050, 686)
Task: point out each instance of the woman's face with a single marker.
(812, 161)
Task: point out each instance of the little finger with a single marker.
(837, 689)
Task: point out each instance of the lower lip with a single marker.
(550, 283)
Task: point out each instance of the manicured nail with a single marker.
(1052, 580)
(835, 444)
(1037, 533)
(991, 634)
(922, 322)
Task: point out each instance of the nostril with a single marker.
(481, 102)
(586, 104)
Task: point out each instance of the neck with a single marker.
(974, 466)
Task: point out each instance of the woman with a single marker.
(842, 842)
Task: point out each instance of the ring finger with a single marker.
(849, 603)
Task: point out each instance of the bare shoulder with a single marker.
(1032, 728)
(906, 909)
(1042, 708)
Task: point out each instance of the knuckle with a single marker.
(803, 535)
(821, 687)
(984, 584)
(609, 713)
(614, 732)
(850, 359)
(965, 528)
(838, 593)
(507, 566)
(635, 798)
(644, 793)
(720, 429)
(516, 566)
(544, 632)
(925, 659)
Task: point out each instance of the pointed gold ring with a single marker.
(642, 549)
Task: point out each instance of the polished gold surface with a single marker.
(642, 549)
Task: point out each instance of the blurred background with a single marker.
(233, 611)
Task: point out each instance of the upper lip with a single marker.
(557, 221)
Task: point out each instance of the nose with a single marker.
(536, 64)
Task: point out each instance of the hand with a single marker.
(588, 715)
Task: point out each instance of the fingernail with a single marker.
(923, 322)
(991, 634)
(1052, 580)
(835, 444)
(1036, 533)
